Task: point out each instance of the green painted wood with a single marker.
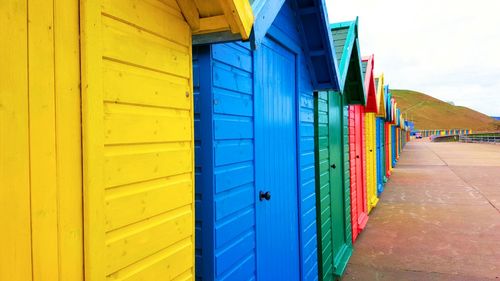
(333, 201)
(346, 45)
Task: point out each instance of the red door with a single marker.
(359, 207)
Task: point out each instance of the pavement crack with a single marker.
(462, 179)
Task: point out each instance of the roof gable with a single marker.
(312, 21)
(379, 84)
(372, 104)
(389, 104)
(346, 44)
(217, 20)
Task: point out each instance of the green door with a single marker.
(334, 236)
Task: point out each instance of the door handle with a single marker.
(333, 166)
(371, 150)
(357, 156)
(264, 195)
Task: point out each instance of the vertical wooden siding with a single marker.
(15, 256)
(347, 171)
(371, 160)
(353, 175)
(138, 141)
(323, 196)
(43, 235)
(231, 215)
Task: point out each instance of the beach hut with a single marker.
(380, 124)
(255, 158)
(388, 131)
(332, 154)
(354, 83)
(370, 142)
(97, 116)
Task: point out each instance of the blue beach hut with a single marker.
(380, 134)
(254, 133)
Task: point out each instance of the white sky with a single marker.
(449, 49)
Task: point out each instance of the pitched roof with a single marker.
(372, 104)
(379, 84)
(389, 104)
(314, 32)
(346, 44)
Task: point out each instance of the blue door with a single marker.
(276, 163)
(379, 157)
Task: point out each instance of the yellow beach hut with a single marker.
(96, 135)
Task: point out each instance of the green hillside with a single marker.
(430, 113)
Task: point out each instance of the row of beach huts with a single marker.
(182, 140)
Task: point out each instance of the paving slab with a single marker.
(438, 218)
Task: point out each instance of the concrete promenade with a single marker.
(438, 219)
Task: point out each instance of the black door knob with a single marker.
(357, 156)
(371, 150)
(333, 166)
(265, 195)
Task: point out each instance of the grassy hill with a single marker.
(430, 113)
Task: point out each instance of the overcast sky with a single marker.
(448, 49)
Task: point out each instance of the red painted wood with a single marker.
(372, 104)
(357, 156)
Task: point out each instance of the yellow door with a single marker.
(137, 117)
(371, 160)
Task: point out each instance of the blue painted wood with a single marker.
(311, 29)
(225, 187)
(276, 163)
(393, 145)
(229, 172)
(380, 155)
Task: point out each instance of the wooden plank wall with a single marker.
(40, 147)
(138, 140)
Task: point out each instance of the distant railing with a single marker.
(449, 138)
(486, 138)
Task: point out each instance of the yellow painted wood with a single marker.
(178, 257)
(380, 96)
(97, 180)
(371, 160)
(155, 197)
(68, 139)
(146, 124)
(93, 139)
(135, 242)
(235, 16)
(47, 126)
(190, 12)
(231, 19)
(213, 24)
(135, 163)
(243, 15)
(149, 15)
(132, 85)
(15, 234)
(143, 49)
(138, 141)
(44, 199)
